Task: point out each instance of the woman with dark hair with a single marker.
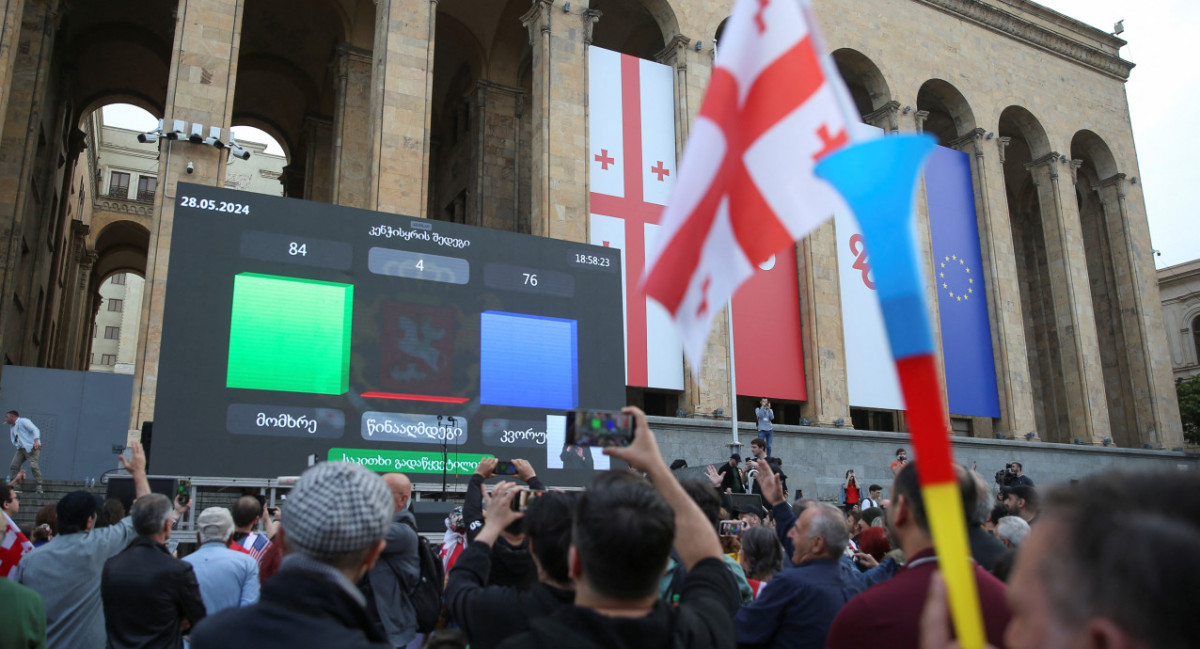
(851, 494)
(761, 556)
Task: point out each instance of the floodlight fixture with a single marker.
(214, 137)
(150, 137)
(237, 150)
(197, 134)
(177, 130)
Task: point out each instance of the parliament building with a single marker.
(483, 112)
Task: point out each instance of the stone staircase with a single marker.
(31, 501)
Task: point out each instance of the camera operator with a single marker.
(1012, 475)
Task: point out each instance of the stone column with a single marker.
(401, 90)
(494, 177)
(11, 12)
(1003, 286)
(30, 56)
(318, 136)
(350, 150)
(1074, 317)
(675, 54)
(1153, 398)
(200, 87)
(72, 330)
(559, 203)
(825, 373)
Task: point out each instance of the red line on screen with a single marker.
(414, 397)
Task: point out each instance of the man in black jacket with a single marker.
(331, 533)
(511, 562)
(621, 539)
(489, 614)
(149, 597)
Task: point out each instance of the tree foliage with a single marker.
(1188, 392)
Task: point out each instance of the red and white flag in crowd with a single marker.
(13, 547)
(746, 189)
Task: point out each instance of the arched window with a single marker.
(1196, 337)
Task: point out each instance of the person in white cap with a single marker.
(228, 578)
(331, 533)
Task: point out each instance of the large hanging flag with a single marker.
(962, 298)
(747, 191)
(766, 331)
(631, 123)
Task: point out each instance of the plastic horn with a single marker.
(878, 180)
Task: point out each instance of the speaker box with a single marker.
(734, 502)
(121, 488)
(431, 514)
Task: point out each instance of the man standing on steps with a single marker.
(28, 440)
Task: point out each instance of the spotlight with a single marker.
(197, 135)
(699, 45)
(1030, 436)
(237, 150)
(151, 136)
(1001, 436)
(1108, 441)
(1078, 442)
(804, 421)
(567, 8)
(839, 422)
(191, 168)
(680, 413)
(719, 412)
(214, 137)
(176, 130)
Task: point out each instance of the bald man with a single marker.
(398, 568)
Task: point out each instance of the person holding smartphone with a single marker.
(765, 416)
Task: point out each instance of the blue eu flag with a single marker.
(962, 297)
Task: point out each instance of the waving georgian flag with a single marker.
(13, 546)
(746, 189)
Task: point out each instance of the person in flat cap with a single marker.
(228, 578)
(331, 533)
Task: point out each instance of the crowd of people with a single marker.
(640, 558)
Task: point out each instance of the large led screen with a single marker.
(295, 331)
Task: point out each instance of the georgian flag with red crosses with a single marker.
(774, 107)
(631, 157)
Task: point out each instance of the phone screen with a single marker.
(599, 428)
(504, 467)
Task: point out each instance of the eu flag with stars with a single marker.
(962, 296)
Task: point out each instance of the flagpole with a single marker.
(736, 445)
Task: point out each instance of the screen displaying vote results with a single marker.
(296, 331)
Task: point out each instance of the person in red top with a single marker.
(901, 461)
(889, 614)
(850, 492)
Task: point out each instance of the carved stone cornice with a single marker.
(1118, 182)
(122, 205)
(537, 19)
(1074, 168)
(886, 117)
(996, 19)
(919, 118)
(972, 140)
(1049, 162)
(1002, 144)
(590, 18)
(670, 55)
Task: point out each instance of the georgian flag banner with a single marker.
(746, 190)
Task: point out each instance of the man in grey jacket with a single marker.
(399, 567)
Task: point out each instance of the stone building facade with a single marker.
(1179, 286)
(476, 111)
